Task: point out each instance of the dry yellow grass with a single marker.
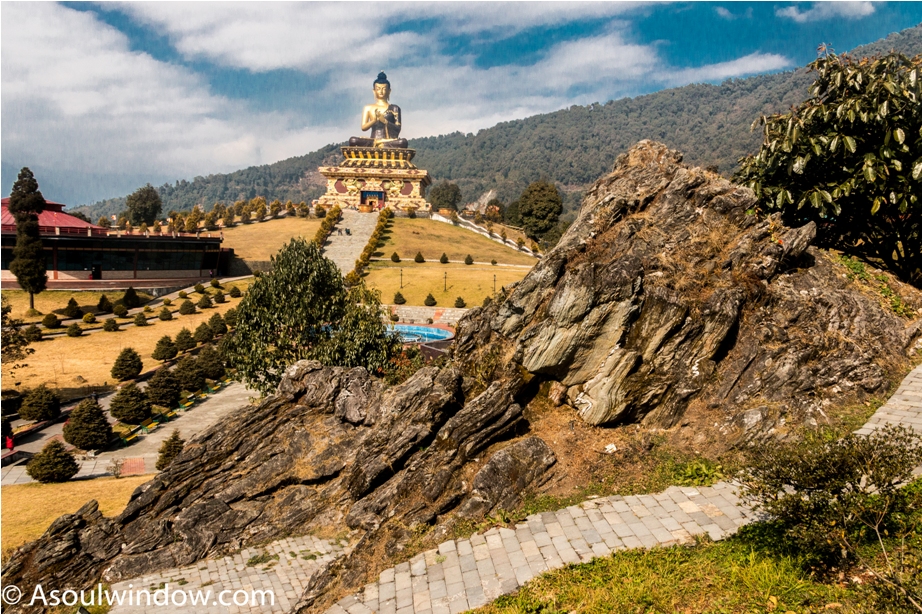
(472, 283)
(59, 361)
(432, 239)
(29, 509)
(49, 300)
(258, 241)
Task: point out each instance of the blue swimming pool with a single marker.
(410, 333)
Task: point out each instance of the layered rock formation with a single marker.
(666, 303)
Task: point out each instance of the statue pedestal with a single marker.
(371, 178)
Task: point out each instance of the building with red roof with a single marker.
(81, 255)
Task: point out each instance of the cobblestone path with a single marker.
(467, 573)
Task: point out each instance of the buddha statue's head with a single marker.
(382, 87)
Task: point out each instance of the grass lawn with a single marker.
(472, 283)
(29, 509)
(408, 236)
(59, 361)
(56, 300)
(258, 241)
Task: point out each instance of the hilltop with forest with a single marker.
(573, 146)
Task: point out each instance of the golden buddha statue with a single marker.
(382, 118)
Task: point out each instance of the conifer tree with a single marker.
(169, 450)
(53, 464)
(211, 362)
(128, 365)
(189, 374)
(184, 340)
(203, 334)
(217, 325)
(28, 264)
(165, 349)
(39, 404)
(163, 388)
(87, 428)
(130, 405)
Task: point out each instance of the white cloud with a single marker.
(751, 64)
(827, 10)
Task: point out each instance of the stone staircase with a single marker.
(344, 249)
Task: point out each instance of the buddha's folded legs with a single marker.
(358, 141)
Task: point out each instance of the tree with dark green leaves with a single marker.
(169, 450)
(301, 309)
(189, 373)
(165, 349)
(130, 405)
(211, 363)
(144, 205)
(539, 207)
(28, 264)
(445, 195)
(163, 389)
(104, 305)
(230, 318)
(72, 310)
(131, 299)
(15, 342)
(87, 427)
(203, 334)
(849, 158)
(217, 325)
(53, 464)
(39, 404)
(184, 340)
(128, 365)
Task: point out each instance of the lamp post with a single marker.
(445, 288)
(494, 284)
(401, 279)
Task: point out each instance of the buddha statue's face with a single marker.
(382, 91)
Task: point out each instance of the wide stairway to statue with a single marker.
(349, 238)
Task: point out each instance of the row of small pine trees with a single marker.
(326, 226)
(395, 257)
(355, 275)
(429, 301)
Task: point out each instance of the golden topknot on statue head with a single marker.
(382, 118)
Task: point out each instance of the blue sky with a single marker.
(99, 99)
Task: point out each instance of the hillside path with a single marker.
(345, 249)
(467, 573)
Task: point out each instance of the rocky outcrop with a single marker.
(667, 292)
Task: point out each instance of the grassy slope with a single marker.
(432, 239)
(472, 283)
(56, 300)
(258, 241)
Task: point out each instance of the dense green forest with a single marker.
(710, 124)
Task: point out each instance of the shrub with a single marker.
(395, 257)
(128, 365)
(189, 374)
(398, 299)
(110, 325)
(131, 298)
(419, 257)
(234, 292)
(219, 297)
(72, 310)
(217, 325)
(89, 318)
(120, 311)
(147, 309)
(32, 333)
(184, 340)
(199, 288)
(169, 450)
(53, 464)
(165, 349)
(320, 212)
(130, 405)
(140, 319)
(104, 305)
(87, 427)
(430, 300)
(182, 294)
(215, 283)
(39, 404)
(394, 317)
(459, 303)
(165, 314)
(444, 259)
(468, 259)
(167, 302)
(493, 262)
(205, 302)
(203, 334)
(186, 308)
(230, 318)
(74, 330)
(51, 321)
(163, 388)
(211, 363)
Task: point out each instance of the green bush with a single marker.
(167, 302)
(165, 314)
(110, 325)
(430, 300)
(234, 292)
(32, 333)
(120, 311)
(169, 450)
(73, 310)
(189, 374)
(399, 299)
(459, 303)
(468, 259)
(184, 340)
(165, 349)
(203, 334)
(394, 317)
(87, 427)
(230, 318)
(40, 404)
(53, 464)
(131, 298)
(419, 257)
(215, 283)
(128, 365)
(493, 262)
(130, 405)
(74, 330)
(89, 318)
(140, 319)
(211, 363)
(217, 325)
(395, 257)
(51, 321)
(163, 388)
(199, 288)
(443, 259)
(205, 302)
(182, 294)
(186, 308)
(104, 305)
(219, 297)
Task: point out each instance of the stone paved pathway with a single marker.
(468, 573)
(345, 249)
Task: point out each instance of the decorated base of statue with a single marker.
(371, 178)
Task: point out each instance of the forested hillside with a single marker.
(709, 123)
